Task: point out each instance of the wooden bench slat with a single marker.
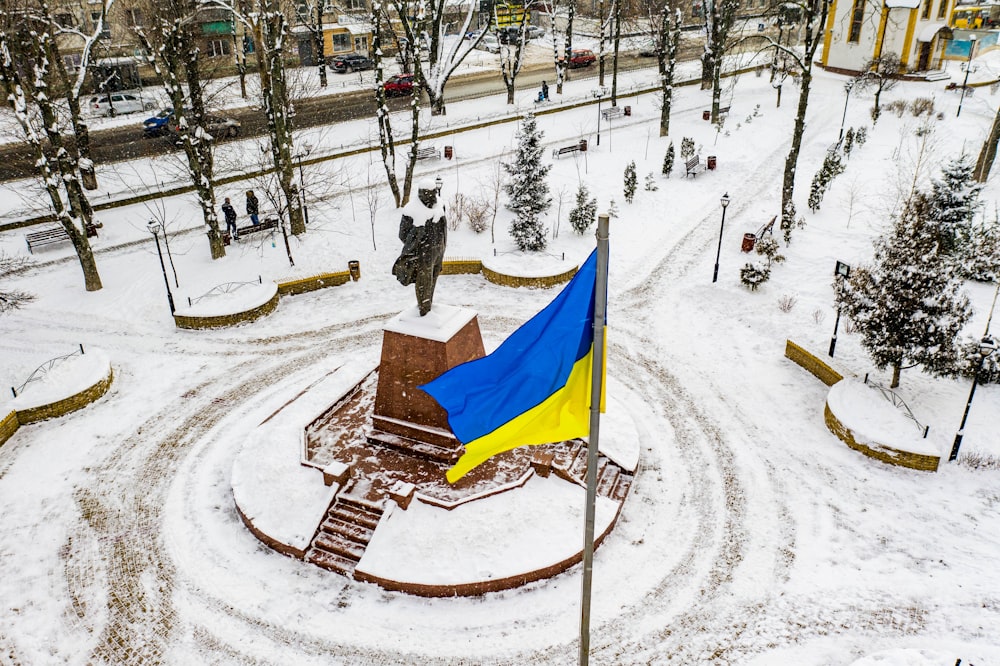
(427, 153)
(693, 166)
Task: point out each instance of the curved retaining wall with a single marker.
(520, 281)
(8, 426)
(313, 283)
(222, 321)
(801, 356)
(880, 452)
(482, 587)
(66, 405)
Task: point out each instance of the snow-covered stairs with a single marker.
(344, 534)
(570, 463)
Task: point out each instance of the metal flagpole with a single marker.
(597, 377)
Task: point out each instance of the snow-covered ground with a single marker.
(751, 536)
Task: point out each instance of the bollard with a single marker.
(354, 267)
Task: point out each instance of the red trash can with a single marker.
(448, 152)
(711, 162)
(583, 145)
(749, 240)
(706, 115)
(628, 110)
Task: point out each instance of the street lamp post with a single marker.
(438, 184)
(848, 87)
(986, 347)
(170, 257)
(968, 66)
(599, 94)
(842, 270)
(154, 228)
(725, 202)
(306, 149)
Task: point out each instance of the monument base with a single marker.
(416, 350)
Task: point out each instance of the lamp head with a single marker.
(987, 346)
(725, 200)
(972, 37)
(153, 226)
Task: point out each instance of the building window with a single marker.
(926, 14)
(341, 42)
(72, 62)
(942, 9)
(857, 18)
(355, 4)
(65, 20)
(218, 47)
(135, 17)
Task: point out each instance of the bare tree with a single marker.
(814, 14)
(172, 49)
(12, 299)
(880, 74)
(719, 18)
(30, 50)
(512, 57)
(427, 26)
(667, 37)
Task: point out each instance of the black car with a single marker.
(351, 62)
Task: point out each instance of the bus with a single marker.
(975, 17)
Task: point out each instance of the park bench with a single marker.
(580, 146)
(693, 166)
(266, 224)
(724, 110)
(53, 235)
(612, 112)
(428, 153)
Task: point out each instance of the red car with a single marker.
(398, 85)
(582, 58)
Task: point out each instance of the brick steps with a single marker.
(570, 462)
(342, 537)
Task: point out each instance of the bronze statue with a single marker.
(424, 232)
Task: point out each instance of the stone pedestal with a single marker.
(416, 350)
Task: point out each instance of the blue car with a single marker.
(157, 125)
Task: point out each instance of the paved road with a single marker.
(128, 143)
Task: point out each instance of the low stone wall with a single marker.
(8, 426)
(66, 405)
(222, 321)
(813, 364)
(483, 587)
(313, 283)
(461, 267)
(880, 452)
(521, 281)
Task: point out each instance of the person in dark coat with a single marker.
(253, 207)
(230, 213)
(424, 232)
(545, 91)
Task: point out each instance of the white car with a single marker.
(119, 102)
(489, 43)
(533, 32)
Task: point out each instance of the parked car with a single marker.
(399, 85)
(508, 35)
(472, 34)
(647, 48)
(582, 58)
(352, 62)
(119, 102)
(217, 126)
(533, 32)
(489, 43)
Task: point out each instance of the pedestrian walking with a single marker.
(545, 91)
(230, 213)
(253, 207)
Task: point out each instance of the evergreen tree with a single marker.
(527, 189)
(908, 306)
(668, 160)
(612, 209)
(980, 255)
(584, 212)
(848, 142)
(816, 191)
(861, 136)
(954, 199)
(832, 167)
(651, 185)
(630, 182)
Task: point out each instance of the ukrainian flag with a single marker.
(534, 389)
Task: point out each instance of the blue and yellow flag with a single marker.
(534, 389)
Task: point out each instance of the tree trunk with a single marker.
(614, 60)
(600, 46)
(988, 152)
(788, 179)
(319, 45)
(896, 369)
(387, 144)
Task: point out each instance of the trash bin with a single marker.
(706, 115)
(448, 152)
(749, 240)
(583, 145)
(628, 110)
(711, 162)
(354, 267)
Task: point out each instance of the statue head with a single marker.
(427, 192)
